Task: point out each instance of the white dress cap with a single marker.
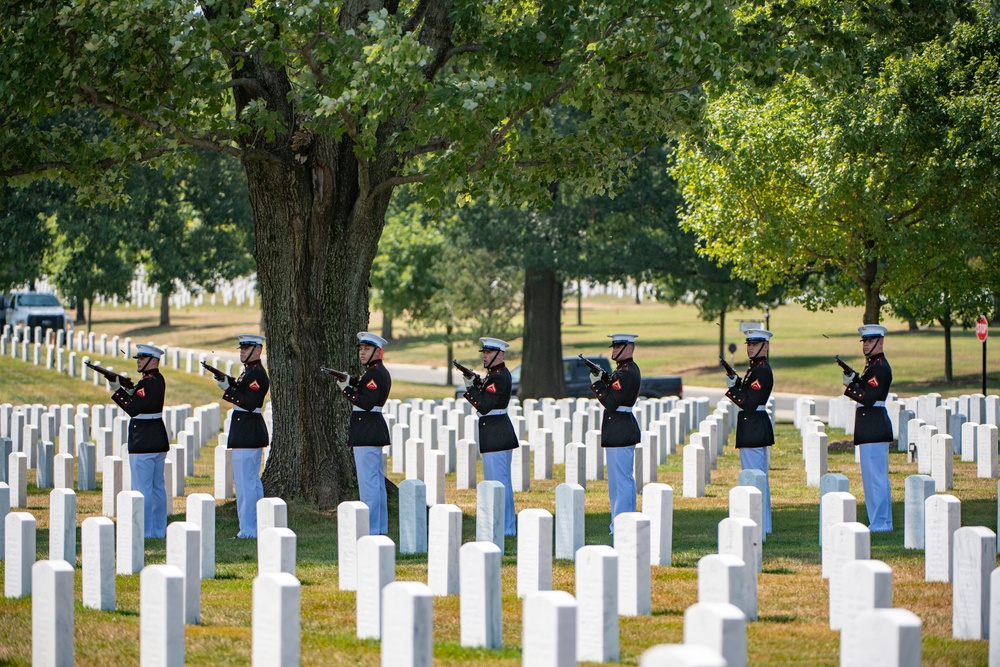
(368, 338)
(251, 339)
(758, 335)
(493, 344)
(620, 338)
(144, 350)
(872, 331)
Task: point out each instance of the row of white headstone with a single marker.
(170, 594)
(429, 460)
(948, 414)
(65, 354)
(613, 582)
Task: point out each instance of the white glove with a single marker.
(115, 385)
(594, 377)
(848, 378)
(343, 383)
(223, 384)
(731, 380)
(469, 381)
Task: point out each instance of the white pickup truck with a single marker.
(28, 310)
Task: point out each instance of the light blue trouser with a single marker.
(496, 467)
(147, 479)
(875, 479)
(621, 480)
(246, 474)
(371, 487)
(755, 458)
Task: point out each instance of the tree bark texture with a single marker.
(164, 310)
(542, 367)
(386, 326)
(872, 284)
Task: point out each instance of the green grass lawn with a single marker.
(792, 626)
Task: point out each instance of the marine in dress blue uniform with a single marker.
(619, 429)
(754, 431)
(247, 431)
(497, 438)
(368, 433)
(148, 443)
(872, 428)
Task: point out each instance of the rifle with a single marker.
(111, 376)
(477, 379)
(219, 375)
(595, 369)
(847, 369)
(340, 375)
(730, 371)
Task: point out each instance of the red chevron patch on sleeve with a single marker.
(491, 388)
(372, 384)
(140, 392)
(755, 385)
(873, 381)
(253, 385)
(616, 385)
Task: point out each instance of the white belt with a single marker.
(156, 415)
(761, 408)
(878, 404)
(377, 408)
(496, 413)
(623, 408)
(239, 409)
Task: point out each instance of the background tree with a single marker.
(714, 290)
(598, 237)
(404, 275)
(191, 227)
(90, 255)
(871, 194)
(24, 232)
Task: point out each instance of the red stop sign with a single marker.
(982, 328)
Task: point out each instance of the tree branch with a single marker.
(390, 183)
(250, 84)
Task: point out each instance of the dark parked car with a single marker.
(576, 376)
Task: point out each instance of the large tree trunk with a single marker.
(316, 240)
(319, 209)
(872, 286)
(81, 316)
(542, 368)
(386, 325)
(90, 313)
(164, 309)
(317, 226)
